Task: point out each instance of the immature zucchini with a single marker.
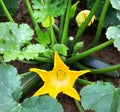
(29, 82)
(95, 63)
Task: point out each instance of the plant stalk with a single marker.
(6, 11)
(61, 27)
(100, 24)
(100, 70)
(67, 20)
(88, 52)
(37, 28)
(55, 27)
(83, 82)
(29, 62)
(79, 107)
(42, 59)
(77, 103)
(52, 33)
(84, 25)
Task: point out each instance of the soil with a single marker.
(109, 54)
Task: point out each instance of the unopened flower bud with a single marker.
(81, 17)
(46, 23)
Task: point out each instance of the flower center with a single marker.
(61, 74)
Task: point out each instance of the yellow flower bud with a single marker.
(81, 17)
(42, 2)
(46, 22)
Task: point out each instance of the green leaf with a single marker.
(101, 97)
(110, 19)
(45, 39)
(9, 84)
(78, 46)
(13, 38)
(115, 4)
(53, 8)
(61, 48)
(32, 51)
(113, 32)
(11, 55)
(10, 95)
(12, 6)
(73, 9)
(41, 104)
(48, 53)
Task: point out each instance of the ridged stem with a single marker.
(67, 20)
(37, 28)
(79, 107)
(88, 52)
(6, 11)
(84, 82)
(100, 24)
(84, 25)
(100, 70)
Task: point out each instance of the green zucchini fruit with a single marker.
(29, 82)
(96, 63)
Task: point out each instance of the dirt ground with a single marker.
(109, 54)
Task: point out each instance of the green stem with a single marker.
(55, 27)
(61, 27)
(88, 52)
(52, 33)
(77, 103)
(37, 28)
(62, 22)
(29, 62)
(84, 25)
(83, 82)
(6, 11)
(42, 59)
(79, 107)
(108, 69)
(100, 70)
(100, 24)
(67, 20)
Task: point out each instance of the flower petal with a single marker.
(72, 93)
(59, 64)
(41, 91)
(76, 74)
(41, 73)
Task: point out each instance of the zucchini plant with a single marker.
(59, 56)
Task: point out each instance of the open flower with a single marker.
(60, 79)
(81, 17)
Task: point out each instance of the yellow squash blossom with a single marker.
(42, 2)
(46, 22)
(81, 17)
(60, 79)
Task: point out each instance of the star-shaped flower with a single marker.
(60, 79)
